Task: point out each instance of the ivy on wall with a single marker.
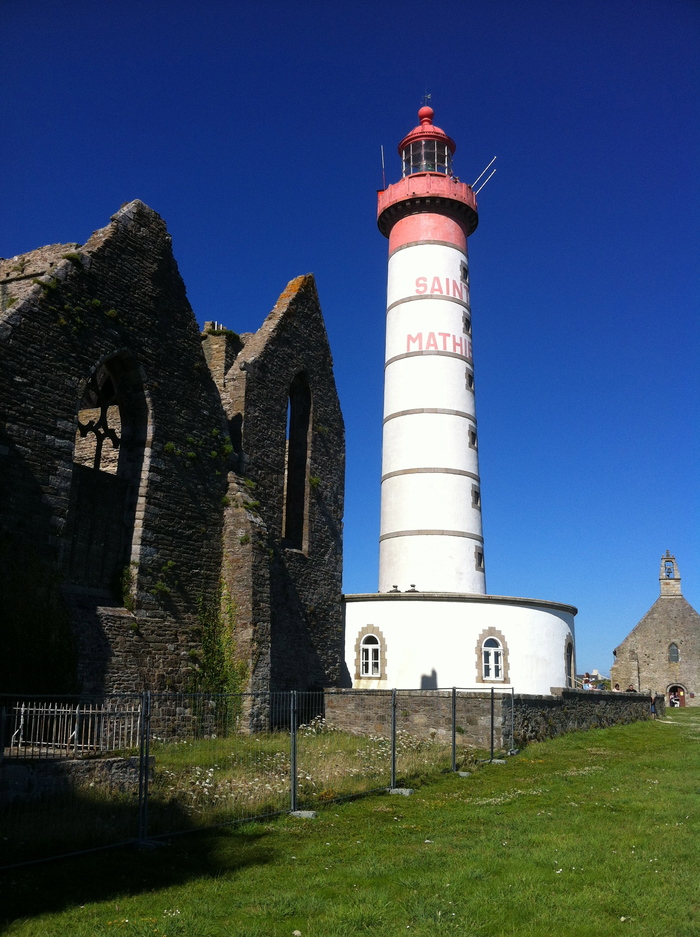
(216, 669)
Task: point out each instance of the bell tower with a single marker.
(669, 577)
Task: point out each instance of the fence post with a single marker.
(512, 719)
(77, 729)
(3, 724)
(454, 728)
(293, 749)
(392, 785)
(144, 764)
(492, 715)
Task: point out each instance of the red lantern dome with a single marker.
(427, 148)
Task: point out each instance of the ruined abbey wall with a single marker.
(288, 594)
(140, 491)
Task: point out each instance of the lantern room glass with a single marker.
(427, 156)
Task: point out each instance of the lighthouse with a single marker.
(432, 624)
(431, 532)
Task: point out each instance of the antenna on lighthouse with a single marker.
(484, 182)
(484, 173)
(383, 173)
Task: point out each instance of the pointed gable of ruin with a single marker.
(285, 578)
(134, 540)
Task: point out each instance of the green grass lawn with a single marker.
(205, 782)
(591, 833)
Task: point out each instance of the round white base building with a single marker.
(425, 640)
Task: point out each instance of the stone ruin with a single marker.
(171, 500)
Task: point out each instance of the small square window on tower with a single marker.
(476, 498)
(469, 380)
(464, 273)
(466, 323)
(473, 444)
(479, 559)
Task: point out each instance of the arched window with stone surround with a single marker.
(108, 458)
(492, 665)
(370, 654)
(674, 654)
(295, 512)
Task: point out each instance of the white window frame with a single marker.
(492, 659)
(370, 656)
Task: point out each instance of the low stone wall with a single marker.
(522, 718)
(31, 780)
(425, 714)
(543, 717)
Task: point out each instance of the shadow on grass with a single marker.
(80, 822)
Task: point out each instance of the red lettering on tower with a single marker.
(460, 346)
(436, 287)
(457, 289)
(421, 285)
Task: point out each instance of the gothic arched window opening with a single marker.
(674, 655)
(295, 516)
(110, 440)
(98, 435)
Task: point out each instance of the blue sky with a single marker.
(254, 130)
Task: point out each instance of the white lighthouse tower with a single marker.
(432, 624)
(431, 534)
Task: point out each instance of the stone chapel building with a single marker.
(662, 652)
(171, 501)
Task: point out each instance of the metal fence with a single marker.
(79, 774)
(68, 729)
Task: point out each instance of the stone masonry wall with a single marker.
(543, 717)
(34, 780)
(428, 714)
(424, 714)
(642, 658)
(132, 550)
(288, 601)
(64, 311)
